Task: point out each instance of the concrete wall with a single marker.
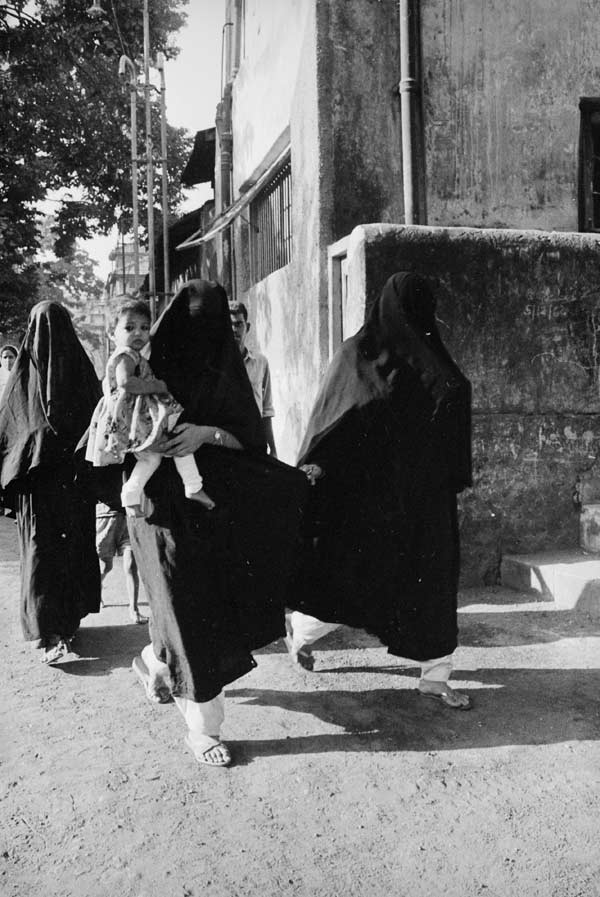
(518, 309)
(520, 312)
(502, 82)
(320, 68)
(265, 85)
(359, 112)
(277, 86)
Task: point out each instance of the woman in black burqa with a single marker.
(216, 579)
(47, 406)
(387, 449)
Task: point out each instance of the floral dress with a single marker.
(123, 422)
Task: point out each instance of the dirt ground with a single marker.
(347, 782)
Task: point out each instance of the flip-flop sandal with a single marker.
(446, 698)
(303, 657)
(56, 653)
(203, 756)
(156, 696)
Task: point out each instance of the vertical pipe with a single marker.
(165, 177)
(149, 165)
(409, 88)
(134, 181)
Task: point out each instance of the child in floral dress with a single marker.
(136, 409)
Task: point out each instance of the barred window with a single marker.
(271, 225)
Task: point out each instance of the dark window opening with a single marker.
(589, 165)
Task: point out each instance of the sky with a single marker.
(193, 89)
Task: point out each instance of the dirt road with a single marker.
(347, 782)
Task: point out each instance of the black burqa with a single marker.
(47, 406)
(391, 429)
(216, 580)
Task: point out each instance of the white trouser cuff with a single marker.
(305, 629)
(437, 670)
(203, 720)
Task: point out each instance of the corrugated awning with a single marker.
(230, 214)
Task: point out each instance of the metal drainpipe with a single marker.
(413, 173)
(226, 191)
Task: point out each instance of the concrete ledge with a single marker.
(568, 579)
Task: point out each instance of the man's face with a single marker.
(240, 328)
(8, 359)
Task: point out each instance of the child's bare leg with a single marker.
(133, 490)
(132, 585)
(192, 481)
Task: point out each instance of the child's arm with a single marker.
(126, 379)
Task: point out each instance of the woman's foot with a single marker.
(202, 498)
(55, 652)
(157, 690)
(136, 617)
(449, 697)
(216, 755)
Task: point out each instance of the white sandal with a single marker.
(225, 758)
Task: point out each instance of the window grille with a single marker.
(271, 225)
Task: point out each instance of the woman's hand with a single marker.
(313, 472)
(184, 439)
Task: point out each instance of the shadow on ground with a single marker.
(104, 648)
(511, 707)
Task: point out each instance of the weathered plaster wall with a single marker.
(265, 85)
(286, 308)
(520, 312)
(502, 82)
(359, 111)
(321, 67)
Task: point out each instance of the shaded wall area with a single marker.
(501, 109)
(333, 80)
(520, 312)
(359, 112)
(286, 308)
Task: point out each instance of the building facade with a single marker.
(339, 114)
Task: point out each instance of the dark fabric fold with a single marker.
(47, 407)
(50, 397)
(217, 581)
(391, 430)
(194, 352)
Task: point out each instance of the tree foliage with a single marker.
(64, 125)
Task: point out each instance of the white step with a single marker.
(569, 578)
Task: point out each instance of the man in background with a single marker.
(257, 367)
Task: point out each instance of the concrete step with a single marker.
(569, 579)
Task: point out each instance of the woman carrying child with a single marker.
(136, 409)
(216, 582)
